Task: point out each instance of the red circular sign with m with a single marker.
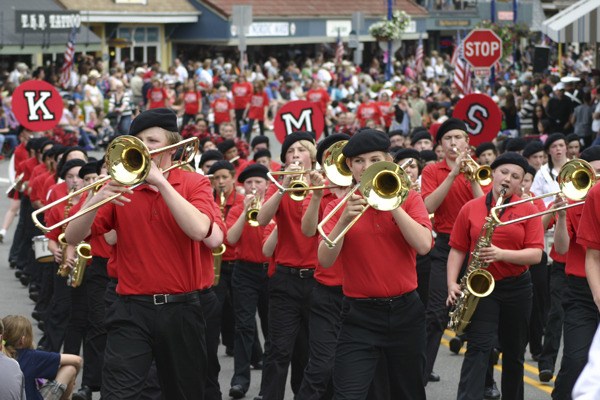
(482, 116)
(482, 48)
(298, 115)
(37, 105)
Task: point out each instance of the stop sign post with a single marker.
(482, 48)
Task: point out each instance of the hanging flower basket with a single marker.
(387, 30)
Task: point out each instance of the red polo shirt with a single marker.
(221, 108)
(156, 98)
(249, 246)
(367, 111)
(99, 246)
(27, 167)
(554, 255)
(526, 234)
(258, 102)
(54, 215)
(233, 199)
(56, 191)
(459, 194)
(241, 94)
(154, 255)
(271, 260)
(293, 248)
(331, 276)
(36, 186)
(191, 98)
(588, 233)
(21, 154)
(48, 183)
(576, 255)
(377, 261)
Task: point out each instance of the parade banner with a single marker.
(37, 105)
(298, 115)
(482, 116)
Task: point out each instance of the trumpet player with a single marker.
(505, 313)
(249, 279)
(381, 310)
(445, 190)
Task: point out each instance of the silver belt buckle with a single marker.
(160, 299)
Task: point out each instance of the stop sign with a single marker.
(482, 48)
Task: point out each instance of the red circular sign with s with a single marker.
(37, 105)
(298, 115)
(482, 116)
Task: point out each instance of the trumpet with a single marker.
(384, 185)
(253, 209)
(298, 189)
(575, 179)
(129, 162)
(482, 174)
(84, 254)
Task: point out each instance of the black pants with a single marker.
(250, 292)
(47, 270)
(324, 327)
(77, 325)
(211, 308)
(224, 294)
(556, 314)
(261, 127)
(396, 328)
(580, 324)
(289, 309)
(541, 301)
(239, 115)
(18, 241)
(96, 280)
(423, 276)
(26, 256)
(172, 334)
(505, 313)
(58, 314)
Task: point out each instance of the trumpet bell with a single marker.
(298, 190)
(385, 186)
(128, 160)
(576, 178)
(334, 165)
(252, 217)
(484, 175)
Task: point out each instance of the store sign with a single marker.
(343, 27)
(46, 21)
(260, 29)
(505, 15)
(453, 22)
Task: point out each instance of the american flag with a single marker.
(462, 69)
(65, 71)
(339, 49)
(419, 56)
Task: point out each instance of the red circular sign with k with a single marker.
(482, 116)
(37, 105)
(482, 48)
(299, 115)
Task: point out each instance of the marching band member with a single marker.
(506, 311)
(157, 314)
(545, 180)
(381, 311)
(445, 190)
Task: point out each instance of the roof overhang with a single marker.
(578, 23)
(140, 18)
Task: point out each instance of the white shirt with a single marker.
(543, 183)
(587, 386)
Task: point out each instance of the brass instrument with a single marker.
(575, 180)
(334, 165)
(384, 185)
(217, 253)
(15, 184)
(63, 268)
(477, 282)
(298, 189)
(482, 174)
(129, 162)
(84, 254)
(253, 209)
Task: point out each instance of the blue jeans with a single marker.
(12, 141)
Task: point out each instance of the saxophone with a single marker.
(84, 254)
(477, 282)
(63, 268)
(219, 251)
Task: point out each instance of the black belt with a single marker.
(333, 289)
(206, 291)
(382, 300)
(302, 273)
(159, 299)
(254, 265)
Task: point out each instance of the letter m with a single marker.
(304, 122)
(40, 104)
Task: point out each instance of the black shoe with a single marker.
(491, 392)
(237, 392)
(257, 365)
(433, 377)
(229, 351)
(18, 273)
(545, 375)
(24, 279)
(259, 397)
(37, 315)
(85, 393)
(12, 264)
(456, 344)
(34, 296)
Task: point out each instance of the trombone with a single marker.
(475, 172)
(384, 185)
(575, 180)
(129, 161)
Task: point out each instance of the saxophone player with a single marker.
(505, 313)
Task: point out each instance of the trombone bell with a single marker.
(334, 165)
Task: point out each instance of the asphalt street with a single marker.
(14, 300)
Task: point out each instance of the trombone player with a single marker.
(379, 294)
(158, 225)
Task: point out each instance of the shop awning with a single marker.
(579, 22)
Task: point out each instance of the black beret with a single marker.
(43, 143)
(221, 164)
(327, 142)
(428, 155)
(226, 145)
(533, 147)
(510, 158)
(418, 129)
(407, 153)
(209, 155)
(515, 144)
(449, 125)
(89, 168)
(51, 152)
(156, 117)
(553, 138)
(590, 154)
(204, 140)
(396, 132)
(70, 164)
(99, 165)
(258, 140)
(572, 137)
(420, 135)
(530, 170)
(32, 144)
(485, 147)
(293, 138)
(365, 141)
(252, 171)
(261, 153)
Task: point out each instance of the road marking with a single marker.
(544, 387)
